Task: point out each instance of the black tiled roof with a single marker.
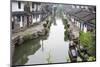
(20, 13)
(82, 14)
(73, 11)
(89, 17)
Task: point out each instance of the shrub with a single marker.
(27, 37)
(85, 39)
(45, 25)
(47, 21)
(65, 21)
(91, 58)
(65, 35)
(88, 41)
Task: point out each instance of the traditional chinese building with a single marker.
(84, 17)
(26, 13)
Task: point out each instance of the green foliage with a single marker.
(66, 26)
(88, 41)
(45, 25)
(65, 35)
(65, 21)
(91, 58)
(27, 37)
(85, 39)
(47, 21)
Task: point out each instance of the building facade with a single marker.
(81, 17)
(24, 14)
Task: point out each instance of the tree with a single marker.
(85, 38)
(88, 41)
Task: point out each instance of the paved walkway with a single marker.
(30, 30)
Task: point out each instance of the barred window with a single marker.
(19, 5)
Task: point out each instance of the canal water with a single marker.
(51, 48)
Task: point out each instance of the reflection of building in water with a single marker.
(21, 54)
(54, 21)
(42, 45)
(54, 10)
(41, 41)
(28, 48)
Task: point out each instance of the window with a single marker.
(32, 4)
(19, 5)
(18, 18)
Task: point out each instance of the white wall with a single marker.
(33, 19)
(81, 26)
(77, 6)
(78, 24)
(38, 19)
(39, 7)
(72, 19)
(21, 23)
(34, 9)
(85, 28)
(73, 6)
(15, 6)
(35, 5)
(25, 21)
(86, 7)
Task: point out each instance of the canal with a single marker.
(51, 48)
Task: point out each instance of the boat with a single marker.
(73, 52)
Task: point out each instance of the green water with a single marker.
(51, 48)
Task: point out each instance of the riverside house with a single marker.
(26, 14)
(82, 17)
(21, 16)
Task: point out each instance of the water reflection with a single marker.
(51, 48)
(28, 48)
(54, 21)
